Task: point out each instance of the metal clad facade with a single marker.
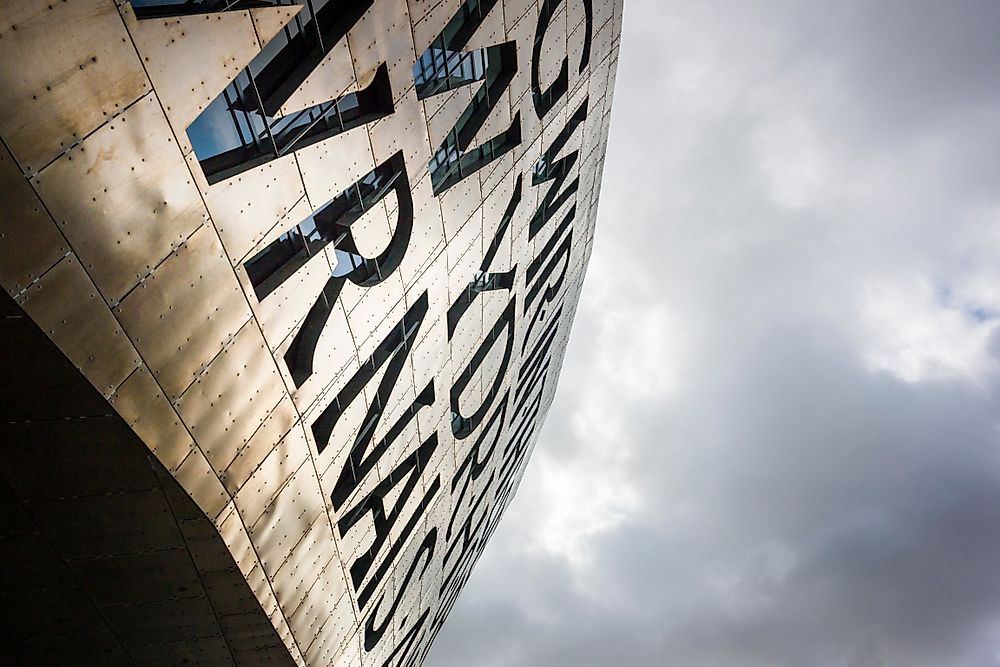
(332, 302)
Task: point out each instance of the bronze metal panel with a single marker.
(235, 535)
(142, 404)
(184, 313)
(337, 636)
(471, 398)
(433, 104)
(124, 198)
(277, 543)
(523, 32)
(408, 600)
(554, 47)
(332, 460)
(373, 231)
(311, 616)
(65, 303)
(331, 166)
(304, 564)
(70, 453)
(313, 559)
(177, 50)
(200, 535)
(408, 509)
(68, 80)
(465, 339)
(458, 204)
(270, 435)
(376, 310)
(37, 561)
(212, 352)
(282, 312)
(515, 10)
(293, 509)
(262, 589)
(427, 238)
(382, 36)
(404, 130)
(494, 209)
(444, 110)
(491, 32)
(98, 642)
(333, 78)
(30, 243)
(603, 36)
(352, 651)
(335, 360)
(247, 628)
(464, 254)
(502, 169)
(575, 41)
(441, 465)
(609, 93)
(269, 21)
(266, 482)
(198, 650)
(86, 494)
(195, 474)
(159, 621)
(429, 360)
(297, 213)
(604, 12)
(431, 278)
(247, 207)
(231, 398)
(429, 18)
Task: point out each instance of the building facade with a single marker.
(287, 288)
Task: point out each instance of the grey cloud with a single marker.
(802, 218)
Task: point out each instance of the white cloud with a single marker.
(793, 160)
(640, 354)
(775, 436)
(580, 500)
(919, 331)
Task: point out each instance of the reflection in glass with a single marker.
(442, 67)
(244, 126)
(330, 223)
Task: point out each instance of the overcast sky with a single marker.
(775, 441)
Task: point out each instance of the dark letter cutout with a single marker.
(158, 9)
(406, 652)
(544, 100)
(361, 462)
(484, 280)
(409, 470)
(240, 129)
(548, 168)
(462, 427)
(273, 265)
(444, 67)
(393, 349)
(374, 634)
(563, 253)
(474, 462)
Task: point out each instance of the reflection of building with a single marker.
(286, 292)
